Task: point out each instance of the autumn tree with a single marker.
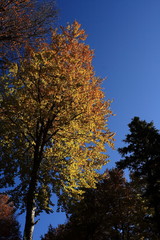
(141, 156)
(9, 227)
(53, 117)
(22, 23)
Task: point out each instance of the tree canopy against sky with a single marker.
(125, 35)
(22, 23)
(54, 124)
(142, 157)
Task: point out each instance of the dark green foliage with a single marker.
(142, 157)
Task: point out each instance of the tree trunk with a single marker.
(29, 225)
(30, 206)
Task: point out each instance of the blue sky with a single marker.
(125, 35)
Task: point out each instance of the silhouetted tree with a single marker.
(66, 231)
(142, 157)
(9, 227)
(113, 210)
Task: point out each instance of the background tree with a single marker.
(114, 210)
(22, 23)
(53, 118)
(9, 229)
(66, 231)
(142, 157)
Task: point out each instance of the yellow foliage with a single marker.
(53, 111)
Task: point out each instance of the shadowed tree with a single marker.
(63, 231)
(142, 157)
(9, 227)
(53, 118)
(114, 210)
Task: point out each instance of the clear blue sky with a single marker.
(125, 35)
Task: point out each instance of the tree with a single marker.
(63, 232)
(54, 124)
(113, 210)
(141, 156)
(9, 229)
(22, 22)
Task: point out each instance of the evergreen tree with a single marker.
(142, 157)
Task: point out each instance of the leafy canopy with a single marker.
(23, 23)
(53, 115)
